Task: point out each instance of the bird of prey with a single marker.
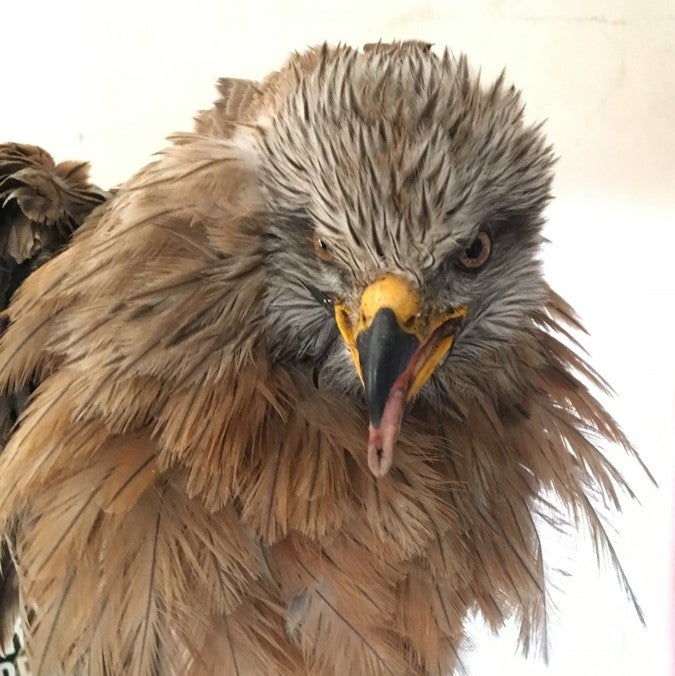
(301, 399)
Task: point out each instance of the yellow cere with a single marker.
(391, 292)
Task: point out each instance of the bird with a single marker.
(300, 397)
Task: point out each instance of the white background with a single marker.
(107, 82)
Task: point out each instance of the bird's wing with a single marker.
(41, 204)
(148, 379)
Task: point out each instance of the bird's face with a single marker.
(405, 214)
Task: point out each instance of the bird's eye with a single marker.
(321, 248)
(477, 253)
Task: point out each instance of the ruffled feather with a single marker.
(179, 502)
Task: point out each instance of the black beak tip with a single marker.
(385, 351)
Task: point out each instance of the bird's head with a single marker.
(405, 208)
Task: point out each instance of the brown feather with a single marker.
(41, 204)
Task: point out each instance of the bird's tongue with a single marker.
(382, 439)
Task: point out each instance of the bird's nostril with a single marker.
(410, 322)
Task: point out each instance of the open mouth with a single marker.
(396, 342)
(382, 438)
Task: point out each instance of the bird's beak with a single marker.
(395, 346)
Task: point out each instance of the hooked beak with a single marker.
(395, 347)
